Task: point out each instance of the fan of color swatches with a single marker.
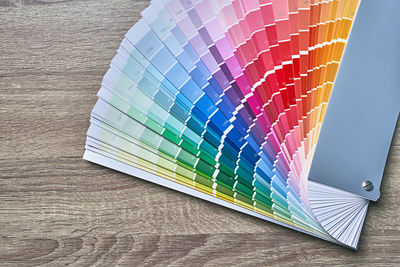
(224, 100)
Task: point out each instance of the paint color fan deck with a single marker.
(225, 100)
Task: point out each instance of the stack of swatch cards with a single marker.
(225, 100)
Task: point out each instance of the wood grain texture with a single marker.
(57, 210)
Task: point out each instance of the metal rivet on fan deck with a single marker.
(368, 185)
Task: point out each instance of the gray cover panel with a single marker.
(365, 103)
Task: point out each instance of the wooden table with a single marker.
(56, 209)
